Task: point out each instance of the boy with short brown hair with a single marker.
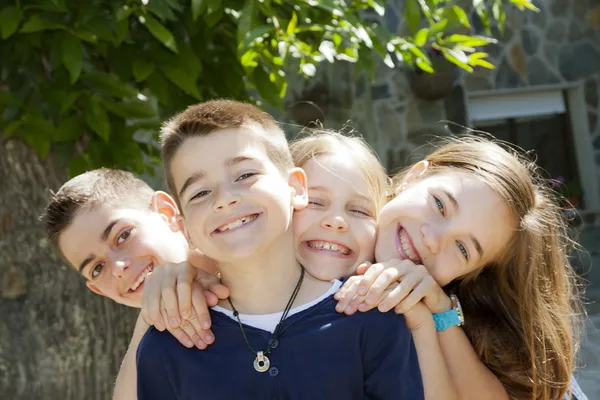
(237, 200)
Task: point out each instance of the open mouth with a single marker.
(140, 279)
(407, 247)
(328, 246)
(238, 223)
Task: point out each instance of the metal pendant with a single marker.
(261, 362)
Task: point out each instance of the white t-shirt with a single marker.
(268, 322)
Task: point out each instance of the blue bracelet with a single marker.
(447, 319)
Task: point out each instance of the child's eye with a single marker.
(315, 202)
(97, 270)
(123, 236)
(439, 205)
(361, 211)
(245, 176)
(200, 194)
(463, 250)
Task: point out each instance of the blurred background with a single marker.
(87, 84)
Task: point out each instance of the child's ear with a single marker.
(180, 221)
(416, 172)
(94, 288)
(298, 187)
(163, 204)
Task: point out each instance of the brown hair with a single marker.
(206, 118)
(101, 186)
(522, 310)
(318, 142)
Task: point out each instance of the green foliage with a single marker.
(85, 78)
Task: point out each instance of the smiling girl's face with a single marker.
(450, 222)
(337, 231)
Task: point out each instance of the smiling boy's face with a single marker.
(236, 202)
(115, 248)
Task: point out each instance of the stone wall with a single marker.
(559, 44)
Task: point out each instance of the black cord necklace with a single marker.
(261, 362)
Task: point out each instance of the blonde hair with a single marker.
(522, 312)
(318, 142)
(216, 115)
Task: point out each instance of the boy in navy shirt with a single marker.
(229, 168)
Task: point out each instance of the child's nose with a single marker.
(336, 223)
(119, 267)
(225, 200)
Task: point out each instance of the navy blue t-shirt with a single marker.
(320, 354)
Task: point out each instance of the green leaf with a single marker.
(424, 65)
(160, 32)
(253, 35)
(461, 15)
(481, 11)
(123, 13)
(10, 18)
(37, 24)
(247, 21)
(96, 119)
(130, 108)
(159, 87)
(68, 102)
(78, 165)
(379, 9)
(481, 63)
(36, 132)
(182, 79)
(40, 143)
(69, 130)
(109, 83)
(122, 29)
(7, 98)
(72, 56)
(457, 57)
(11, 128)
(421, 37)
(291, 28)
(525, 4)
(412, 14)
(142, 69)
(439, 26)
(198, 6)
(469, 41)
(266, 88)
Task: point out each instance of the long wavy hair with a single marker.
(522, 311)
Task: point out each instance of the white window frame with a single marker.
(544, 100)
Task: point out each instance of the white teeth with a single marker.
(408, 248)
(142, 277)
(320, 244)
(237, 223)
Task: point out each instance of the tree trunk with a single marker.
(57, 339)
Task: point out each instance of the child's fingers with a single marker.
(346, 293)
(395, 296)
(413, 298)
(352, 307)
(184, 293)
(151, 300)
(383, 281)
(200, 307)
(169, 301)
(182, 337)
(369, 277)
(362, 268)
(345, 286)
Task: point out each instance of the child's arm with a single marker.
(402, 285)
(126, 384)
(437, 382)
(177, 297)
